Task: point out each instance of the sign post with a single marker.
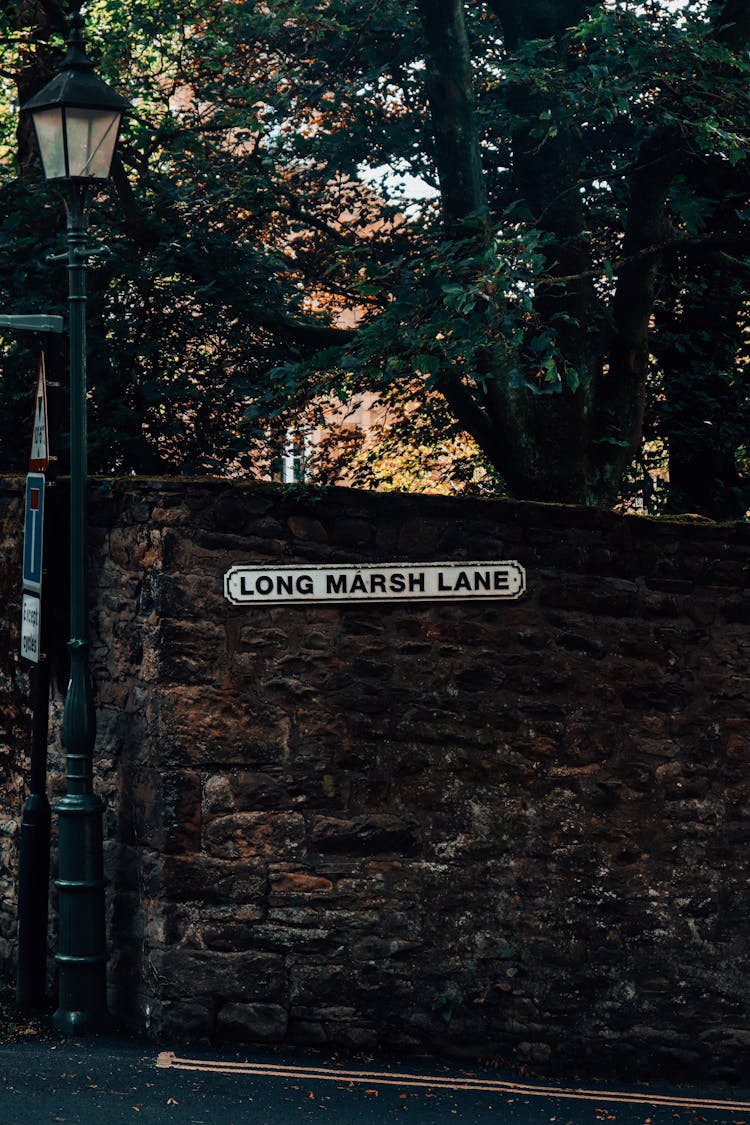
(33, 875)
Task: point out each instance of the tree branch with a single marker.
(450, 95)
(474, 420)
(307, 334)
(619, 398)
(721, 241)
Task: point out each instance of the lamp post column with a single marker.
(82, 952)
(77, 120)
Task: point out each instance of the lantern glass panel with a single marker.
(48, 124)
(91, 137)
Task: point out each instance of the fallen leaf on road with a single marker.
(373, 1093)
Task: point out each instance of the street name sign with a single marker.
(37, 322)
(374, 582)
(33, 533)
(31, 627)
(39, 457)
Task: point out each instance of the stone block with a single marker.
(200, 878)
(253, 791)
(253, 1023)
(306, 528)
(229, 977)
(367, 835)
(245, 835)
(299, 883)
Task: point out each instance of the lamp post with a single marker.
(77, 119)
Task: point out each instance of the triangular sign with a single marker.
(39, 458)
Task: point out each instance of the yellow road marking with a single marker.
(169, 1060)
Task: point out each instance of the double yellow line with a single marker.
(170, 1061)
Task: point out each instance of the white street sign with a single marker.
(31, 627)
(387, 582)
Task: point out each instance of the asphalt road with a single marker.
(117, 1080)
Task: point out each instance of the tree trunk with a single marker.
(704, 393)
(450, 94)
(537, 442)
(620, 391)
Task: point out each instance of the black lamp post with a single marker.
(77, 121)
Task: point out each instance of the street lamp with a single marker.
(77, 119)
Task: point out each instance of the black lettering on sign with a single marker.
(502, 579)
(462, 582)
(358, 585)
(305, 584)
(335, 583)
(398, 583)
(416, 582)
(284, 583)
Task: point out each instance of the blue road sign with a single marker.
(33, 533)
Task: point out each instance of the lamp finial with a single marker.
(76, 58)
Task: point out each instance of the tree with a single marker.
(555, 293)
(599, 136)
(174, 340)
(701, 340)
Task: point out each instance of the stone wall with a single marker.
(14, 719)
(512, 829)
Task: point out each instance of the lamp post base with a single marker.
(79, 1023)
(82, 954)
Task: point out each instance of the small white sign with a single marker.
(31, 627)
(39, 457)
(389, 582)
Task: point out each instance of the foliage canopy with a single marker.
(522, 223)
